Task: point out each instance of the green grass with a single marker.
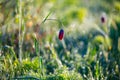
(30, 48)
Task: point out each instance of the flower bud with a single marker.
(61, 34)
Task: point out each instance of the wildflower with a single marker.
(61, 34)
(29, 24)
(103, 18)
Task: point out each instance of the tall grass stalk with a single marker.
(20, 25)
(37, 50)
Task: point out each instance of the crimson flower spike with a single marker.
(103, 19)
(61, 34)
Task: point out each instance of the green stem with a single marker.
(20, 25)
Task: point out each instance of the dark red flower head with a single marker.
(61, 34)
(103, 19)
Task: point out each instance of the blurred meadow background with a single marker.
(30, 47)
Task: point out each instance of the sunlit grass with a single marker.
(59, 40)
